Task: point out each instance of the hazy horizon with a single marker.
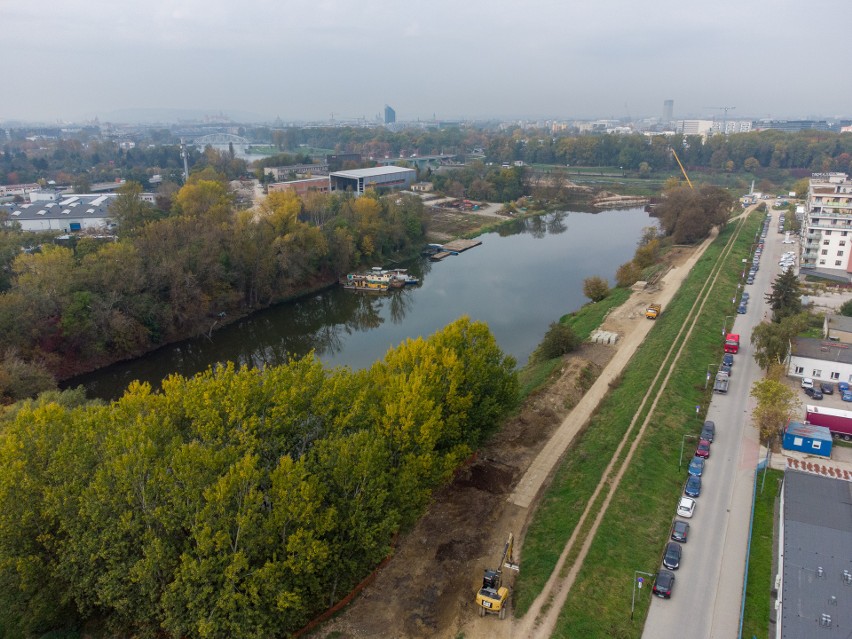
(80, 59)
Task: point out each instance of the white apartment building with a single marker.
(827, 228)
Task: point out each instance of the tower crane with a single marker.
(725, 116)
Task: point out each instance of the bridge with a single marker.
(221, 138)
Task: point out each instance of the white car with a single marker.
(807, 382)
(685, 507)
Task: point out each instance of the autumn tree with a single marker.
(595, 288)
(772, 339)
(688, 215)
(777, 404)
(627, 274)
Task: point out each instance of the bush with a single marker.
(595, 288)
(846, 308)
(627, 274)
(559, 340)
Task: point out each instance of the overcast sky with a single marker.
(72, 59)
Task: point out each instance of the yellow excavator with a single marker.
(493, 597)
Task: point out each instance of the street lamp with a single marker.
(725, 326)
(637, 580)
(682, 441)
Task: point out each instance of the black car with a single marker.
(664, 584)
(708, 431)
(725, 368)
(827, 388)
(693, 487)
(680, 531)
(742, 309)
(813, 393)
(671, 558)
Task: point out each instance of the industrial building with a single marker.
(827, 226)
(382, 177)
(302, 187)
(53, 211)
(282, 173)
(813, 587)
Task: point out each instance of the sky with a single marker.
(71, 60)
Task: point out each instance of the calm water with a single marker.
(518, 281)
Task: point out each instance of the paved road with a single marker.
(708, 587)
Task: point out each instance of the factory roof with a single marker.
(72, 206)
(379, 170)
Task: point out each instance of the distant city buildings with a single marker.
(390, 115)
(51, 210)
(668, 111)
(302, 187)
(827, 228)
(792, 125)
(281, 173)
(694, 127)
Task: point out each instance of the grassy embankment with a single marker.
(760, 577)
(637, 522)
(583, 321)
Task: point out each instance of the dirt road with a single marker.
(427, 590)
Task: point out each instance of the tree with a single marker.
(772, 340)
(846, 308)
(560, 339)
(130, 211)
(751, 164)
(595, 288)
(627, 274)
(777, 404)
(786, 296)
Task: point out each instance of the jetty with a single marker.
(438, 252)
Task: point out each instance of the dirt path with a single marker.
(428, 589)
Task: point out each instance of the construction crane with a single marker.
(493, 597)
(683, 170)
(725, 116)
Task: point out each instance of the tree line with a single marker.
(237, 503)
(173, 274)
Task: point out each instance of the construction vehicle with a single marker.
(683, 170)
(653, 311)
(493, 597)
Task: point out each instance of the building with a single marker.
(302, 187)
(336, 161)
(827, 228)
(792, 126)
(821, 360)
(423, 187)
(390, 115)
(18, 189)
(837, 328)
(668, 111)
(68, 214)
(381, 177)
(807, 438)
(282, 173)
(814, 579)
(728, 127)
(694, 127)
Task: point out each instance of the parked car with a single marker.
(827, 388)
(708, 431)
(746, 297)
(664, 584)
(750, 279)
(807, 382)
(686, 507)
(742, 309)
(846, 396)
(725, 368)
(696, 466)
(671, 558)
(680, 531)
(843, 386)
(703, 449)
(693, 486)
(813, 393)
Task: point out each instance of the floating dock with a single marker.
(440, 255)
(459, 246)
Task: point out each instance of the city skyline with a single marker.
(89, 58)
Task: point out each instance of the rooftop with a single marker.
(364, 173)
(73, 206)
(839, 323)
(822, 349)
(817, 549)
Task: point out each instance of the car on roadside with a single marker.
(692, 487)
(750, 279)
(745, 298)
(680, 531)
(843, 387)
(725, 368)
(686, 507)
(664, 584)
(807, 382)
(703, 449)
(696, 466)
(742, 309)
(846, 396)
(708, 431)
(827, 388)
(813, 393)
(672, 555)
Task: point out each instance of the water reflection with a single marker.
(522, 278)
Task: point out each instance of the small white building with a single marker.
(66, 213)
(822, 360)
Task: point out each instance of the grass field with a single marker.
(760, 578)
(639, 516)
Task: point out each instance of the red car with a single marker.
(703, 449)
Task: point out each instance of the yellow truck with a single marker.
(653, 311)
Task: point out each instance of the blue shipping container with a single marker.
(807, 438)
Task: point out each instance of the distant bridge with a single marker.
(221, 138)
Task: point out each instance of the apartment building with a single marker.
(827, 227)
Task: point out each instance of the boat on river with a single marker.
(378, 280)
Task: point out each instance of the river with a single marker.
(518, 281)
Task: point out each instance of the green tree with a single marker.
(627, 274)
(772, 339)
(785, 299)
(130, 211)
(846, 308)
(560, 339)
(595, 288)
